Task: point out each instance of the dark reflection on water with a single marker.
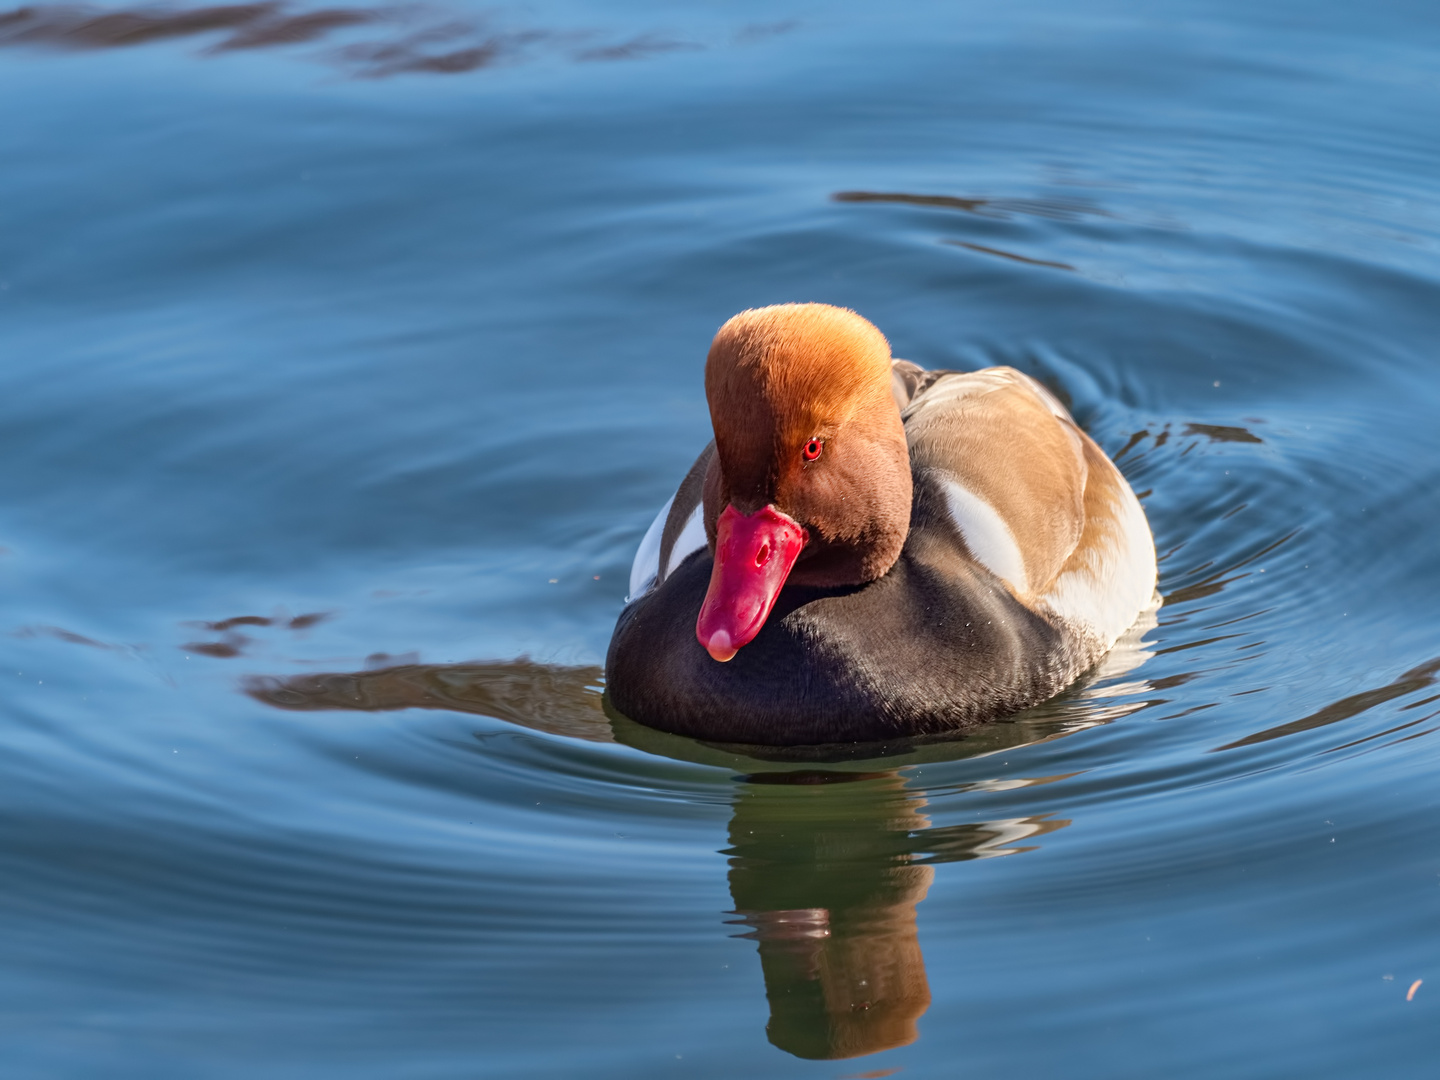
(420, 39)
(1208, 581)
(60, 634)
(545, 697)
(1000, 208)
(1009, 255)
(1223, 433)
(637, 48)
(1416, 679)
(294, 29)
(255, 25)
(233, 643)
(1215, 433)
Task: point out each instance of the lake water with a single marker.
(345, 355)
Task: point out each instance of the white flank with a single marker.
(1127, 654)
(987, 536)
(1115, 582)
(646, 568)
(691, 538)
(647, 558)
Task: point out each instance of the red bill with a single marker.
(753, 556)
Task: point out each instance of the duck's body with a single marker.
(968, 553)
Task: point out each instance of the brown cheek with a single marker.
(714, 496)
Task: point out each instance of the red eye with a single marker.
(813, 448)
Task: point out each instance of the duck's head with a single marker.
(811, 480)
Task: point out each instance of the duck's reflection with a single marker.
(824, 878)
(826, 866)
(826, 870)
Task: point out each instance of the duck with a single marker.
(867, 550)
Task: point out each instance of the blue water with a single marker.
(344, 361)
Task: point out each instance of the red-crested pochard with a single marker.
(869, 550)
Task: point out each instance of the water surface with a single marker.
(345, 355)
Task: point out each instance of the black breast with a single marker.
(936, 644)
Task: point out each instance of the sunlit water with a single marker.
(343, 361)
